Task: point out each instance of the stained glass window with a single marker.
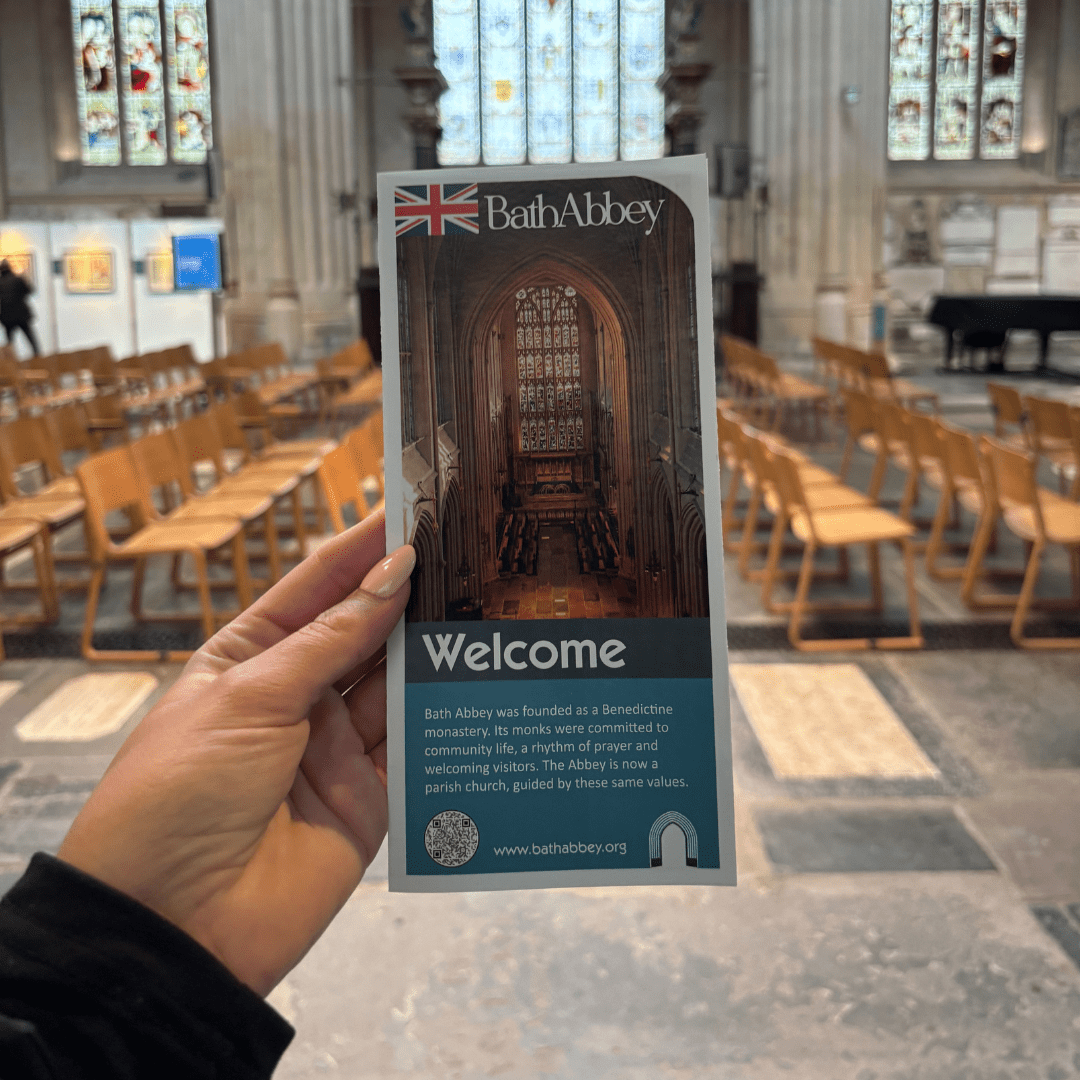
(189, 79)
(164, 54)
(456, 53)
(549, 370)
(551, 122)
(909, 80)
(958, 36)
(1003, 74)
(596, 80)
(502, 81)
(95, 74)
(550, 80)
(142, 66)
(970, 96)
(641, 63)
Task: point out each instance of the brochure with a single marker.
(558, 689)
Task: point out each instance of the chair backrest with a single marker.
(198, 439)
(1049, 420)
(785, 470)
(891, 422)
(162, 468)
(1007, 406)
(962, 455)
(26, 441)
(110, 481)
(365, 445)
(926, 437)
(224, 416)
(858, 412)
(67, 428)
(1013, 471)
(341, 484)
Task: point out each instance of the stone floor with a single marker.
(909, 897)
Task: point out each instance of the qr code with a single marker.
(451, 838)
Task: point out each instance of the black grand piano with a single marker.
(971, 321)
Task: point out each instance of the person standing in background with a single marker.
(15, 313)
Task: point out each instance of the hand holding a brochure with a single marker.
(250, 800)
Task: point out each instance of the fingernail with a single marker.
(389, 575)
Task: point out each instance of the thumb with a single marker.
(286, 680)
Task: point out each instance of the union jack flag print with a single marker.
(436, 210)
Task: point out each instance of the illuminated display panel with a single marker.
(142, 74)
(96, 82)
(456, 54)
(188, 43)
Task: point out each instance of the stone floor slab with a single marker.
(836, 840)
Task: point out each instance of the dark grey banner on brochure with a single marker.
(558, 649)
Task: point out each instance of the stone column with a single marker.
(424, 84)
(283, 123)
(819, 160)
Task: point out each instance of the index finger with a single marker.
(323, 579)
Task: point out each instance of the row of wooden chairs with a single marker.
(993, 479)
(821, 512)
(1045, 426)
(842, 367)
(765, 392)
(160, 482)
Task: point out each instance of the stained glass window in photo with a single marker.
(911, 35)
(142, 75)
(596, 80)
(641, 63)
(502, 81)
(1003, 78)
(549, 369)
(958, 37)
(96, 81)
(456, 54)
(188, 45)
(551, 129)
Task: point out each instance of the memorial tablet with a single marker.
(558, 689)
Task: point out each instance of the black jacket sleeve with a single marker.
(93, 984)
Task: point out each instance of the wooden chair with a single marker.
(1039, 518)
(1010, 417)
(245, 412)
(1074, 422)
(198, 440)
(365, 444)
(823, 491)
(341, 487)
(111, 482)
(861, 427)
(821, 528)
(164, 473)
(1052, 437)
(19, 535)
(364, 395)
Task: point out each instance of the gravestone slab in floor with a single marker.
(828, 840)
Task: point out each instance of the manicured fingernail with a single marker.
(389, 575)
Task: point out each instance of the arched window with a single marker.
(154, 102)
(956, 79)
(549, 369)
(550, 81)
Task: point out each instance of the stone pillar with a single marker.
(682, 78)
(424, 83)
(283, 123)
(819, 115)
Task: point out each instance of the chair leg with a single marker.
(916, 640)
(206, 606)
(298, 522)
(137, 581)
(749, 528)
(802, 591)
(973, 567)
(772, 562)
(273, 553)
(43, 567)
(241, 571)
(937, 533)
(877, 595)
(877, 478)
(1027, 591)
(845, 461)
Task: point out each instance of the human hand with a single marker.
(248, 802)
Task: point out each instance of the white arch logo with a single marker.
(672, 817)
